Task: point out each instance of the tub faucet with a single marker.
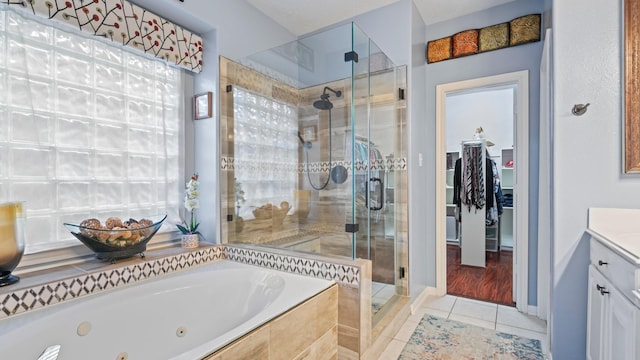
(50, 353)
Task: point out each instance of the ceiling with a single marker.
(304, 16)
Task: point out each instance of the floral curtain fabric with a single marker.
(125, 23)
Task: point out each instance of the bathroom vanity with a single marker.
(613, 323)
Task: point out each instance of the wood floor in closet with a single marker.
(492, 284)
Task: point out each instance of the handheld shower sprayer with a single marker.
(338, 173)
(305, 144)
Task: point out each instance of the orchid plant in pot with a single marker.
(190, 229)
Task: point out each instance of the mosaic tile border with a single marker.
(229, 163)
(35, 297)
(345, 274)
(67, 289)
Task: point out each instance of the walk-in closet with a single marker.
(479, 195)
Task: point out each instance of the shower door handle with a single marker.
(378, 180)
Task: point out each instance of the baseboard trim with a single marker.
(428, 291)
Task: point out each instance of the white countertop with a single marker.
(617, 228)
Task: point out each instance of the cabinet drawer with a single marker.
(621, 273)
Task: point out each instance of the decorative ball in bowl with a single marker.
(269, 211)
(116, 239)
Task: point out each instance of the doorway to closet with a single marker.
(499, 106)
(479, 133)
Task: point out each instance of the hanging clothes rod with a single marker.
(473, 142)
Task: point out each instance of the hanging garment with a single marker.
(496, 210)
(468, 186)
(472, 192)
(508, 200)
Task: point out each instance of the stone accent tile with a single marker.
(346, 354)
(349, 307)
(326, 310)
(294, 332)
(349, 338)
(327, 346)
(365, 324)
(253, 346)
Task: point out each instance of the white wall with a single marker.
(419, 275)
(490, 109)
(587, 153)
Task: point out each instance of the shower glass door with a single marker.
(314, 153)
(378, 133)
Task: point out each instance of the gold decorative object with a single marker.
(11, 241)
(494, 37)
(521, 30)
(524, 29)
(465, 43)
(438, 50)
(631, 155)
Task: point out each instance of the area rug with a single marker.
(438, 338)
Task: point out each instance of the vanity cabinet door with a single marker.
(622, 325)
(597, 303)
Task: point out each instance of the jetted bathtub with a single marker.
(185, 315)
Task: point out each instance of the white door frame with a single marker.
(521, 178)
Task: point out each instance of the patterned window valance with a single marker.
(126, 24)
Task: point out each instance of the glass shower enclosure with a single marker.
(313, 159)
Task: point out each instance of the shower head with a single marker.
(324, 103)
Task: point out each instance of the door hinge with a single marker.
(351, 56)
(229, 217)
(402, 272)
(351, 228)
(229, 88)
(400, 93)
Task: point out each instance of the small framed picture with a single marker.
(202, 105)
(310, 133)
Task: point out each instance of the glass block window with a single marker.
(86, 130)
(266, 151)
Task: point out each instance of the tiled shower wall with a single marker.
(328, 211)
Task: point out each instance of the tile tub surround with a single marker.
(354, 289)
(70, 282)
(308, 331)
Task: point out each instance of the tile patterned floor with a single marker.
(491, 316)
